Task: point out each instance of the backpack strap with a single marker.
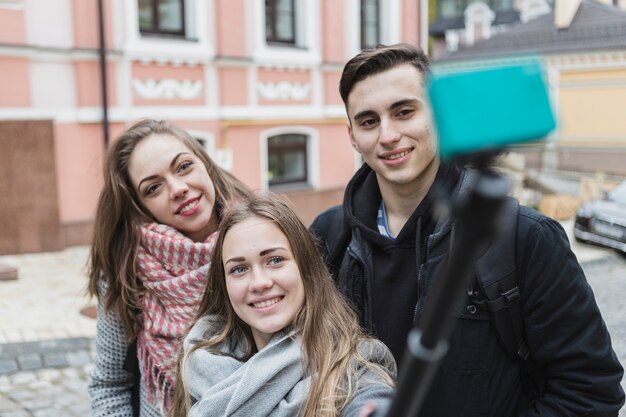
(497, 280)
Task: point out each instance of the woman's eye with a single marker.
(237, 270)
(275, 260)
(151, 189)
(185, 166)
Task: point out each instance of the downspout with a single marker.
(423, 24)
(103, 74)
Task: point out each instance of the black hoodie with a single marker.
(394, 294)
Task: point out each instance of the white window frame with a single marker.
(207, 138)
(390, 24)
(222, 157)
(197, 45)
(306, 50)
(312, 151)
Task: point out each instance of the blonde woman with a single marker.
(273, 337)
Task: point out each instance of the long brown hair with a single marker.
(329, 328)
(120, 212)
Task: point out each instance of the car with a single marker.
(603, 221)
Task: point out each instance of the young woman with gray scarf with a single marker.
(273, 336)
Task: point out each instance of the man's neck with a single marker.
(401, 200)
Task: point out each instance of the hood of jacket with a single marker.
(362, 200)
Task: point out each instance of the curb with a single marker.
(56, 353)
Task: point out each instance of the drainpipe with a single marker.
(423, 24)
(103, 74)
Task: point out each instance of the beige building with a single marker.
(582, 44)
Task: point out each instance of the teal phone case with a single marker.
(490, 108)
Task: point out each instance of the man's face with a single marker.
(390, 126)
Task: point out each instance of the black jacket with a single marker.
(568, 340)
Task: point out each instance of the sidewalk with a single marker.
(41, 325)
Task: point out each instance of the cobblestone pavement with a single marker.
(45, 393)
(46, 345)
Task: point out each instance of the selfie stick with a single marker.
(476, 223)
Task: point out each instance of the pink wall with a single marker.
(205, 126)
(233, 86)
(209, 126)
(163, 72)
(230, 19)
(88, 84)
(12, 24)
(410, 21)
(244, 142)
(85, 15)
(331, 88)
(336, 155)
(79, 153)
(333, 25)
(14, 82)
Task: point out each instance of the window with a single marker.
(287, 159)
(498, 5)
(370, 23)
(280, 21)
(451, 8)
(165, 17)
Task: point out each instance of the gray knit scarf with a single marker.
(270, 383)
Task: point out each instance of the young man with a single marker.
(384, 245)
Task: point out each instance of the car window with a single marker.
(618, 193)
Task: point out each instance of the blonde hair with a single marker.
(120, 212)
(329, 328)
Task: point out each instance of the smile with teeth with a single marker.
(397, 155)
(192, 204)
(267, 303)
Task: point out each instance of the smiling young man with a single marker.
(383, 246)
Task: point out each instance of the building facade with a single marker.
(461, 23)
(255, 81)
(582, 45)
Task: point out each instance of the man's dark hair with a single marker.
(379, 59)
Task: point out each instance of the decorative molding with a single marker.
(167, 88)
(125, 113)
(597, 60)
(531, 9)
(11, 4)
(284, 90)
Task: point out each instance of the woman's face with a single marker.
(173, 184)
(262, 277)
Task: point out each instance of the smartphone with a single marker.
(479, 109)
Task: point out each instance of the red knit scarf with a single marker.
(173, 270)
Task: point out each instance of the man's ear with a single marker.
(352, 141)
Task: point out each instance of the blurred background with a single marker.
(256, 82)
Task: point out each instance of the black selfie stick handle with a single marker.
(476, 223)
